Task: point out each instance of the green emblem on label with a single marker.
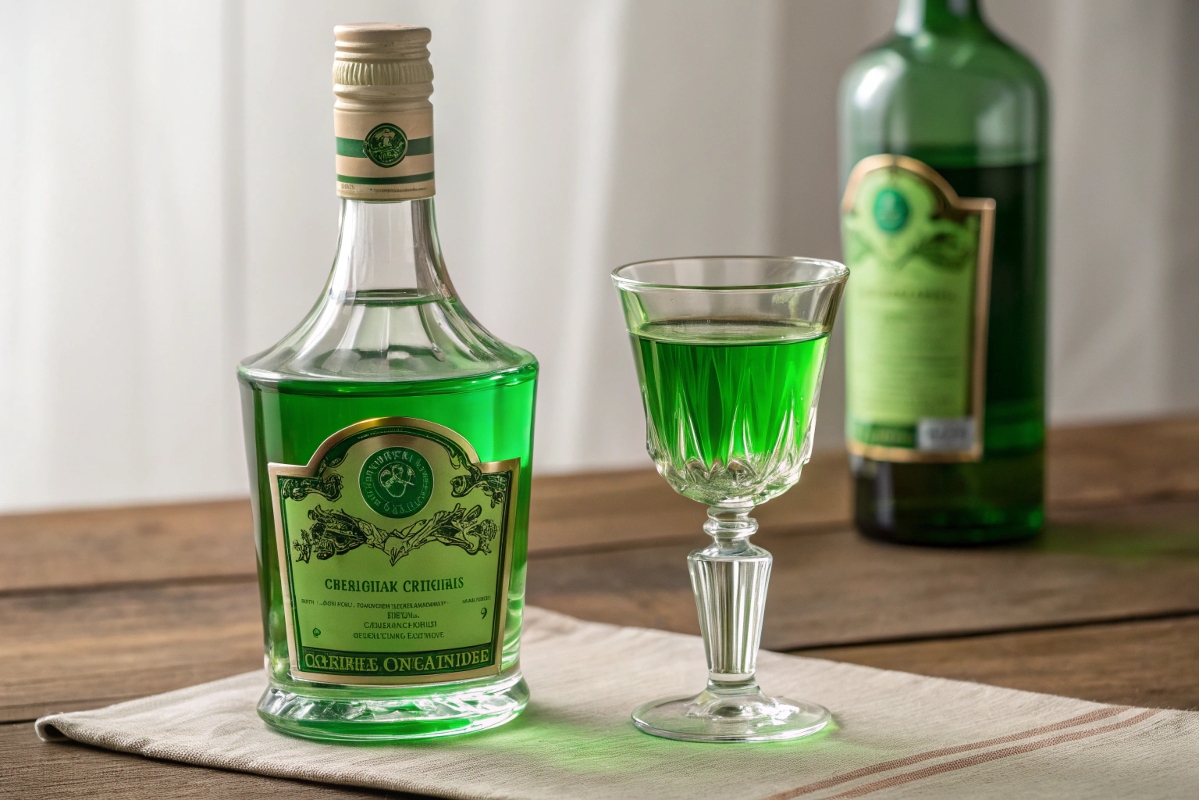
(386, 145)
(370, 600)
(916, 312)
(396, 482)
(890, 210)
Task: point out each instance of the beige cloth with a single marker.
(894, 734)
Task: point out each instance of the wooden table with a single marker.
(104, 605)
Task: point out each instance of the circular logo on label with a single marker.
(890, 210)
(386, 145)
(396, 482)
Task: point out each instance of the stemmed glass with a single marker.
(730, 354)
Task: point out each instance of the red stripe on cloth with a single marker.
(992, 755)
(907, 761)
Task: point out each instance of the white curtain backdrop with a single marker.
(166, 203)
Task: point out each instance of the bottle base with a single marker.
(994, 501)
(331, 716)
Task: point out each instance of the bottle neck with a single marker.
(388, 251)
(953, 17)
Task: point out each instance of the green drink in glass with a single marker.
(726, 400)
(730, 354)
(943, 138)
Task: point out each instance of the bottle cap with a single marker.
(380, 54)
(382, 117)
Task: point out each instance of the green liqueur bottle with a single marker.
(389, 438)
(943, 157)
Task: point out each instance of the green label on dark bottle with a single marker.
(395, 550)
(916, 312)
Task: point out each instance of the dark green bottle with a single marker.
(943, 149)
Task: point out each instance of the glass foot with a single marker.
(744, 717)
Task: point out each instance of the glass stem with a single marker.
(729, 579)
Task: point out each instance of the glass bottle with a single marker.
(943, 150)
(389, 438)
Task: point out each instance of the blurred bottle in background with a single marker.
(943, 150)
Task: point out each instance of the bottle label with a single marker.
(916, 312)
(395, 551)
(384, 155)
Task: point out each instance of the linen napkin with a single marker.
(894, 734)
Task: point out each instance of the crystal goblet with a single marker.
(730, 355)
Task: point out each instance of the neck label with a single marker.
(384, 155)
(395, 553)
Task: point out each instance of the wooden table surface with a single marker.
(105, 605)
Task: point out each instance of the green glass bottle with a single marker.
(943, 151)
(389, 439)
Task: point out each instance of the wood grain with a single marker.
(108, 547)
(126, 545)
(83, 649)
(1148, 663)
(1100, 465)
(32, 768)
(638, 508)
(62, 650)
(105, 605)
(1144, 663)
(834, 587)
(1135, 462)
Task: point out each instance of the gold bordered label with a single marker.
(395, 552)
(916, 312)
(384, 155)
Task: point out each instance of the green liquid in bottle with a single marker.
(386, 622)
(948, 92)
(291, 418)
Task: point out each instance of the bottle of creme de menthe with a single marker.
(943, 155)
(389, 436)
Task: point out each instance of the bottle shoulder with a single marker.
(928, 57)
(386, 340)
(977, 95)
